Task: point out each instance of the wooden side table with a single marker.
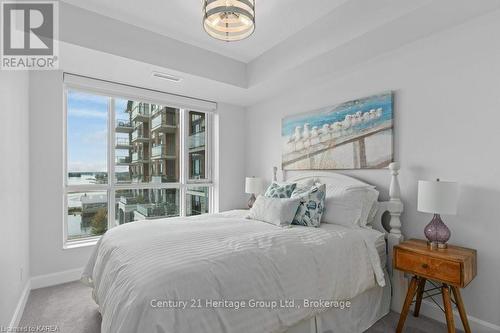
(454, 267)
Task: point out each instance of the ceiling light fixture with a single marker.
(229, 20)
(166, 76)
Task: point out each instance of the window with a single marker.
(132, 159)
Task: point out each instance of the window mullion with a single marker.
(111, 163)
(183, 161)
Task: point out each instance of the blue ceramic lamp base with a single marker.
(437, 233)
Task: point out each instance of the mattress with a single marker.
(225, 257)
(377, 239)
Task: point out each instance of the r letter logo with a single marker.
(29, 35)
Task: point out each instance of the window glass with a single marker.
(145, 204)
(143, 145)
(197, 201)
(197, 145)
(147, 143)
(87, 138)
(87, 214)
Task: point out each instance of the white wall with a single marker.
(14, 191)
(115, 38)
(231, 149)
(447, 113)
(46, 123)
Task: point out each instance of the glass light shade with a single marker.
(437, 197)
(229, 20)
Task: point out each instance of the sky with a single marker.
(87, 130)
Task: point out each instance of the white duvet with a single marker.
(225, 260)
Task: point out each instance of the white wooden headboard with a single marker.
(387, 220)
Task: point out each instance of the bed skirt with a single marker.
(365, 310)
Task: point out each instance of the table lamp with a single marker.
(253, 185)
(437, 197)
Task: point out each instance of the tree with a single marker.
(99, 222)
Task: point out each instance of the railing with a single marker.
(161, 150)
(122, 159)
(128, 200)
(123, 123)
(157, 179)
(122, 142)
(137, 134)
(163, 120)
(141, 110)
(151, 210)
(155, 109)
(136, 157)
(197, 140)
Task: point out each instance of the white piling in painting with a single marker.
(306, 135)
(326, 133)
(337, 129)
(314, 136)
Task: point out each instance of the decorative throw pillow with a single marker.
(312, 203)
(276, 211)
(276, 190)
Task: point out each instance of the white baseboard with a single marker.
(477, 325)
(18, 313)
(47, 280)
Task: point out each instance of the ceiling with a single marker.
(276, 20)
(310, 41)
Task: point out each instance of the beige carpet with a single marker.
(71, 308)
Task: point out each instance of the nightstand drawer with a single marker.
(433, 268)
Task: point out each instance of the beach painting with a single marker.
(353, 135)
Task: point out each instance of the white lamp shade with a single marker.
(253, 185)
(437, 197)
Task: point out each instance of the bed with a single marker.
(225, 273)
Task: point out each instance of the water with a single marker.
(329, 115)
(76, 228)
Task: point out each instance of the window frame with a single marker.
(112, 186)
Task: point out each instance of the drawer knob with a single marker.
(425, 266)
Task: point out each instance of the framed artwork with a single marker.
(353, 135)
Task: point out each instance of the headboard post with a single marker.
(275, 171)
(395, 208)
(395, 204)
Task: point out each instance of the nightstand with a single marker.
(453, 267)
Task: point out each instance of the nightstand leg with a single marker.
(406, 306)
(420, 291)
(461, 308)
(447, 308)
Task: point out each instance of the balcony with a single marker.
(123, 160)
(158, 179)
(139, 158)
(164, 123)
(155, 109)
(123, 143)
(163, 152)
(124, 126)
(139, 136)
(197, 141)
(141, 113)
(156, 210)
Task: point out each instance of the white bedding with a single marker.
(225, 257)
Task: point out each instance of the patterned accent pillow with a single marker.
(276, 190)
(311, 206)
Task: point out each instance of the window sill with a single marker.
(80, 243)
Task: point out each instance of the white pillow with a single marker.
(276, 211)
(349, 206)
(370, 208)
(373, 213)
